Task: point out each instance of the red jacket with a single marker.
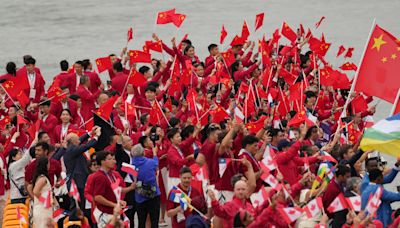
(38, 84)
(56, 109)
(71, 82)
(62, 76)
(118, 123)
(244, 74)
(95, 81)
(57, 136)
(289, 162)
(228, 211)
(332, 191)
(88, 101)
(118, 82)
(177, 160)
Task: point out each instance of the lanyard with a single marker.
(110, 177)
(254, 160)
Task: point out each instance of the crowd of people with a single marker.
(249, 137)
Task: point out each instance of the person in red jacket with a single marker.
(175, 157)
(336, 186)
(11, 69)
(88, 98)
(95, 81)
(239, 73)
(62, 76)
(61, 131)
(174, 209)
(242, 189)
(72, 80)
(56, 107)
(35, 79)
(47, 121)
(120, 79)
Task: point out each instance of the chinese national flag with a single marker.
(256, 126)
(137, 79)
(341, 80)
(266, 60)
(178, 19)
(104, 111)
(21, 120)
(228, 57)
(319, 47)
(129, 35)
(289, 77)
(165, 17)
(259, 21)
(349, 52)
(156, 114)
(348, 66)
(288, 32)
(219, 114)
(224, 33)
(326, 76)
(3, 122)
(340, 51)
(359, 104)
(103, 64)
(155, 46)
(22, 99)
(245, 31)
(379, 70)
(139, 56)
(15, 84)
(130, 110)
(298, 119)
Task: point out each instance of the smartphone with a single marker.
(398, 188)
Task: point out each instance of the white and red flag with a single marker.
(290, 214)
(313, 207)
(338, 204)
(354, 203)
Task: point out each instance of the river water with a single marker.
(52, 30)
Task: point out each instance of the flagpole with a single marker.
(396, 101)
(162, 113)
(353, 85)
(127, 80)
(10, 97)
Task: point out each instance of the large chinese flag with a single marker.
(379, 70)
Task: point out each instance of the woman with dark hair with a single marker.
(17, 161)
(239, 73)
(61, 130)
(42, 213)
(11, 69)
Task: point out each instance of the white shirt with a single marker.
(128, 178)
(78, 78)
(31, 79)
(64, 105)
(64, 131)
(129, 98)
(124, 120)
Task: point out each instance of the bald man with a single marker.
(75, 160)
